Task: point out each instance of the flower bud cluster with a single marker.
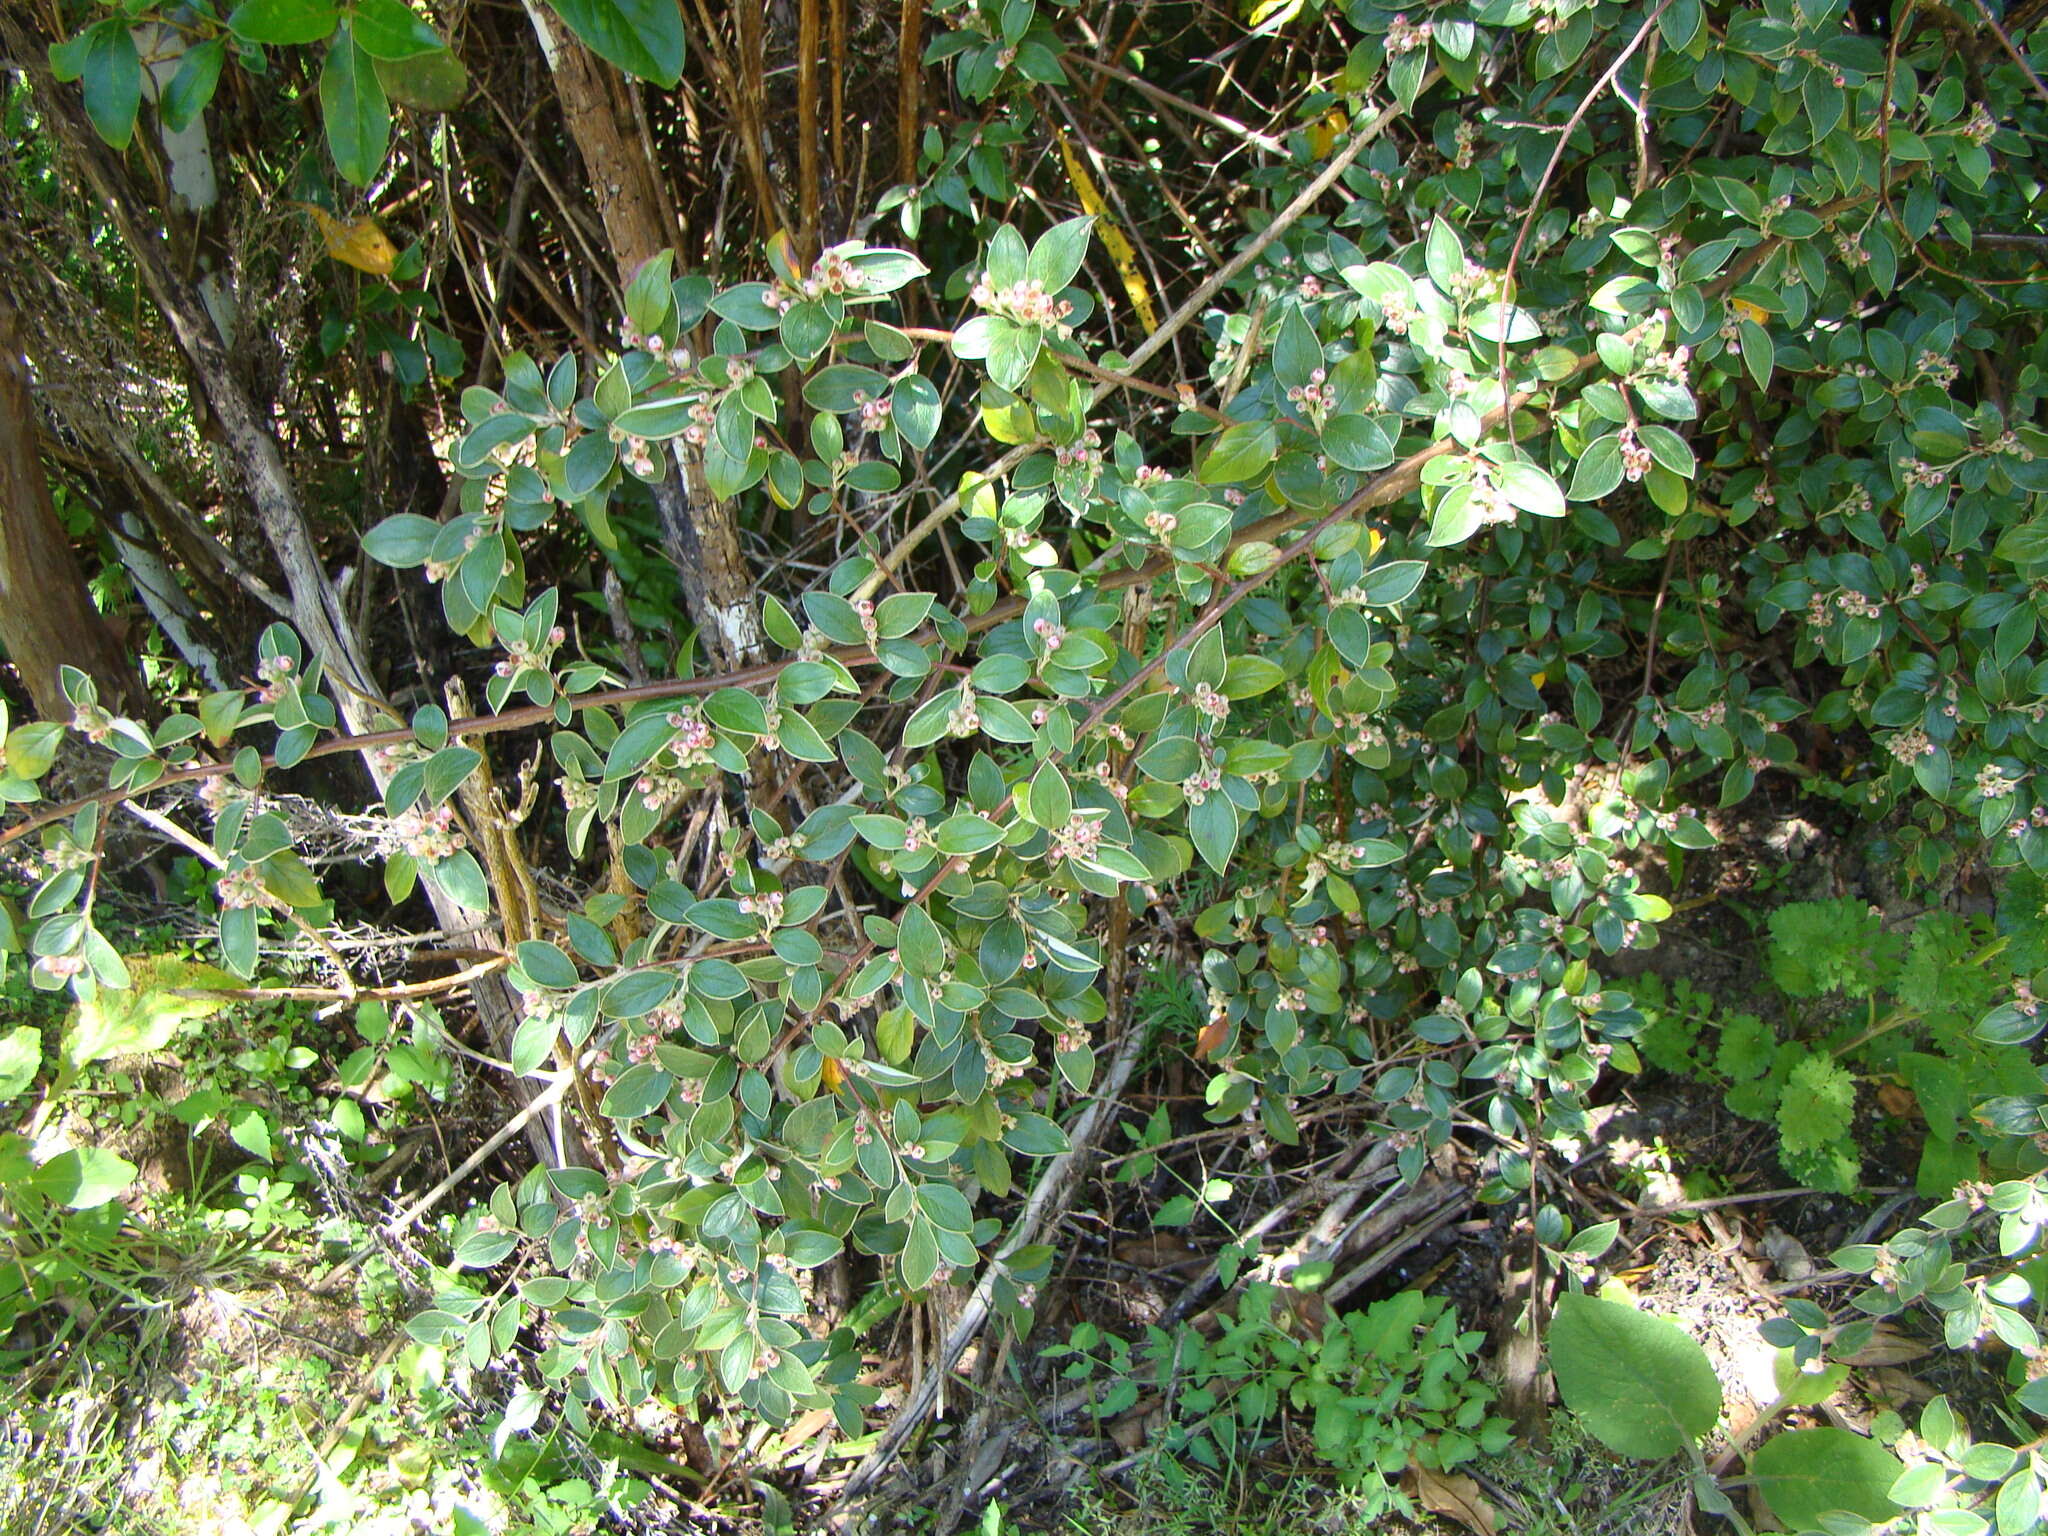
(520, 657)
(1079, 839)
(1027, 303)
(1317, 398)
(275, 673)
(1636, 460)
(428, 833)
(243, 887)
(1405, 36)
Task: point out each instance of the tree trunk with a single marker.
(700, 532)
(47, 620)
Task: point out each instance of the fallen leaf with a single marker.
(1136, 1428)
(1787, 1254)
(1888, 1346)
(1161, 1250)
(1897, 1101)
(1211, 1037)
(1897, 1388)
(1457, 1498)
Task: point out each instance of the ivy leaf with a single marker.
(355, 109)
(21, 1053)
(642, 37)
(81, 1179)
(1642, 1385)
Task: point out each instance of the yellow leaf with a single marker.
(1744, 310)
(1113, 239)
(1325, 132)
(358, 243)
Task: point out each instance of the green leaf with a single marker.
(483, 1250)
(390, 29)
(403, 540)
(282, 23)
(1213, 826)
(430, 82)
(1049, 801)
(80, 1179)
(545, 964)
(1357, 442)
(355, 110)
(920, 943)
(640, 1090)
(914, 407)
(462, 880)
(642, 37)
(1057, 257)
(1394, 582)
(248, 1130)
(21, 1053)
(113, 82)
(1443, 254)
(1805, 1473)
(1642, 1385)
(1240, 453)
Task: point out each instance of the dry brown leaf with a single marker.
(1888, 1346)
(1160, 1250)
(1896, 1100)
(1897, 1387)
(1140, 1424)
(1454, 1497)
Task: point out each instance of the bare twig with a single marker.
(1055, 1186)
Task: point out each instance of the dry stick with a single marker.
(1343, 1175)
(540, 1102)
(1151, 345)
(1411, 1233)
(809, 192)
(394, 994)
(1051, 1192)
(1165, 98)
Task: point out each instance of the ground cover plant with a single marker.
(1245, 561)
